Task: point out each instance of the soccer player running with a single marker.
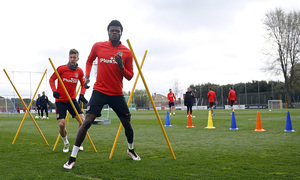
(70, 75)
(231, 98)
(212, 99)
(114, 63)
(171, 98)
(189, 100)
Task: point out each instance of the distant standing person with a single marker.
(189, 100)
(172, 99)
(212, 99)
(38, 105)
(231, 97)
(44, 103)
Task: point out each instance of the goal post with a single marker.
(275, 104)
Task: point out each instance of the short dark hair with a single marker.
(209, 88)
(73, 51)
(115, 23)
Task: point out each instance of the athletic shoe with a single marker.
(133, 155)
(81, 148)
(69, 164)
(66, 148)
(173, 113)
(212, 114)
(187, 116)
(47, 118)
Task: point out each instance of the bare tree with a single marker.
(284, 37)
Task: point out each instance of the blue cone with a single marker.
(233, 123)
(288, 127)
(168, 124)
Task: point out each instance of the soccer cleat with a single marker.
(173, 113)
(170, 114)
(69, 164)
(66, 148)
(212, 114)
(133, 155)
(81, 148)
(47, 118)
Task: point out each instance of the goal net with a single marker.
(275, 104)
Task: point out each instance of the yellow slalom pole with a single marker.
(128, 103)
(152, 102)
(66, 120)
(71, 102)
(26, 106)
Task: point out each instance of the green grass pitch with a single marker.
(200, 153)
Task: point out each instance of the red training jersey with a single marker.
(171, 97)
(211, 96)
(70, 78)
(232, 95)
(109, 76)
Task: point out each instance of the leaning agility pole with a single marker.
(152, 102)
(27, 108)
(128, 103)
(67, 120)
(71, 102)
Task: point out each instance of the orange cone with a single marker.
(190, 123)
(258, 123)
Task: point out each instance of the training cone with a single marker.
(190, 122)
(168, 124)
(210, 122)
(233, 123)
(288, 127)
(258, 123)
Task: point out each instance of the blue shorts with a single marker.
(117, 103)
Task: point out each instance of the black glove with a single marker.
(82, 99)
(56, 94)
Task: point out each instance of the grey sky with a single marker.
(189, 41)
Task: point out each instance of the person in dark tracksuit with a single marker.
(44, 103)
(38, 105)
(189, 100)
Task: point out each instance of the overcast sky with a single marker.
(188, 41)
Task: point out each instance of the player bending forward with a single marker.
(70, 75)
(114, 63)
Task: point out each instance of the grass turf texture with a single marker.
(200, 153)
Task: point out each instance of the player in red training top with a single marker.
(114, 63)
(231, 97)
(171, 98)
(70, 74)
(212, 99)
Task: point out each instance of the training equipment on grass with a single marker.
(258, 123)
(168, 124)
(190, 122)
(27, 108)
(210, 122)
(233, 123)
(71, 102)
(288, 127)
(152, 102)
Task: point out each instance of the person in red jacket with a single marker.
(212, 99)
(171, 98)
(114, 63)
(231, 97)
(70, 74)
